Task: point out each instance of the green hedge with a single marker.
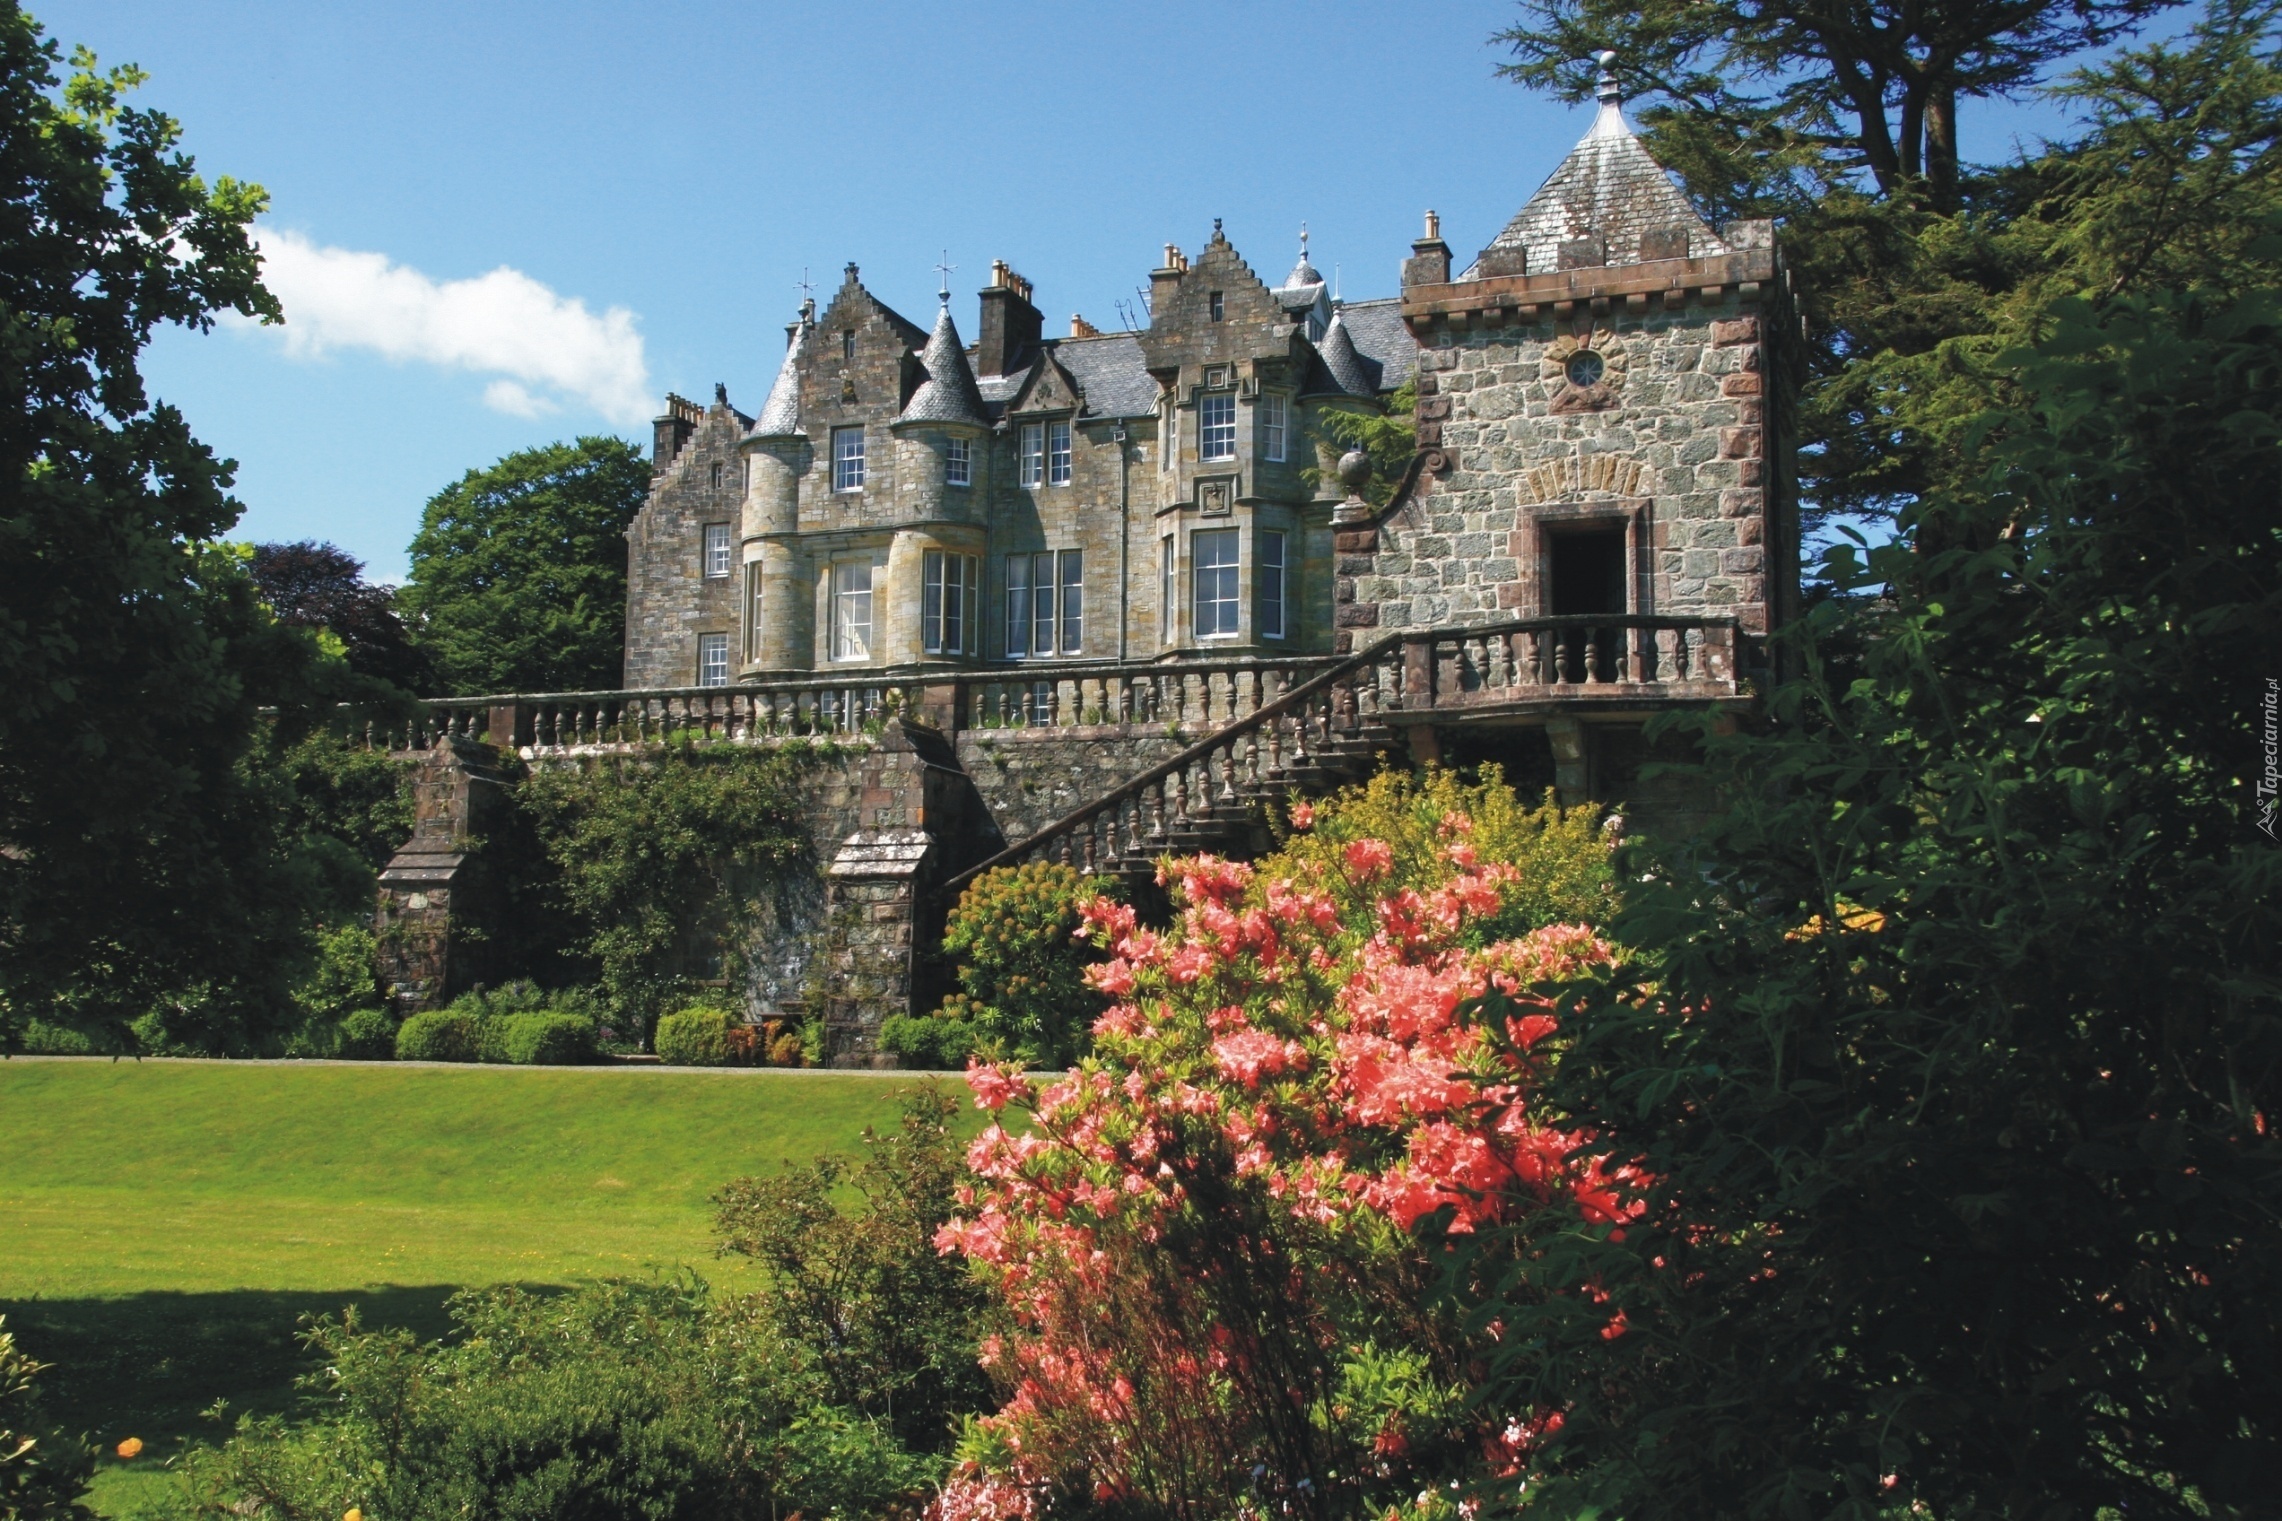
(933, 1043)
(550, 1040)
(695, 1037)
(440, 1035)
(539, 1037)
(367, 1035)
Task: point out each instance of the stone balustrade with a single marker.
(1413, 675)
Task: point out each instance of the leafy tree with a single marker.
(1389, 438)
(139, 855)
(519, 571)
(312, 585)
(1859, 84)
(1022, 989)
(1957, 1054)
(891, 1323)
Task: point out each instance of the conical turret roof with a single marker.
(948, 394)
(1608, 187)
(780, 414)
(1347, 371)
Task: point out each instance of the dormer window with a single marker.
(1216, 427)
(1218, 305)
(959, 462)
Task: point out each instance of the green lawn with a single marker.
(163, 1225)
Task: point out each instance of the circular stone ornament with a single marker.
(1585, 370)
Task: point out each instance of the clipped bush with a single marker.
(938, 1042)
(440, 1035)
(367, 1035)
(696, 1037)
(550, 1039)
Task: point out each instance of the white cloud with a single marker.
(550, 351)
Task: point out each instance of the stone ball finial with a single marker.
(1606, 87)
(1354, 471)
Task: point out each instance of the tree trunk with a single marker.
(1941, 145)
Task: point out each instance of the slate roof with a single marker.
(1377, 331)
(1338, 367)
(780, 414)
(948, 394)
(1110, 372)
(1608, 186)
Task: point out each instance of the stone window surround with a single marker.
(1273, 413)
(959, 462)
(718, 550)
(1543, 521)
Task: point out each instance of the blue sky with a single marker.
(499, 224)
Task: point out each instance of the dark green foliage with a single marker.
(518, 577)
(367, 1035)
(43, 1475)
(346, 792)
(652, 856)
(609, 1401)
(1966, 1153)
(889, 1322)
(696, 1037)
(1021, 971)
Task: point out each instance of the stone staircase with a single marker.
(1215, 796)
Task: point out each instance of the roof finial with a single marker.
(1606, 88)
(807, 286)
(1216, 227)
(1303, 242)
(944, 269)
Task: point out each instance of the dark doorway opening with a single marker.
(1587, 571)
(1585, 574)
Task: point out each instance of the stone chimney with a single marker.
(1011, 326)
(671, 430)
(1429, 261)
(1165, 282)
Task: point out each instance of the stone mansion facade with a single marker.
(1602, 417)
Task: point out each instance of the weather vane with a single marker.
(944, 269)
(807, 286)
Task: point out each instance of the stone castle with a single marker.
(1598, 419)
(1104, 596)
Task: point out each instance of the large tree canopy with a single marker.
(519, 570)
(139, 858)
(1864, 84)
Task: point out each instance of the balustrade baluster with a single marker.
(1227, 757)
(1275, 728)
(1156, 795)
(1252, 757)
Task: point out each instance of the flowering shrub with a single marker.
(1216, 1239)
